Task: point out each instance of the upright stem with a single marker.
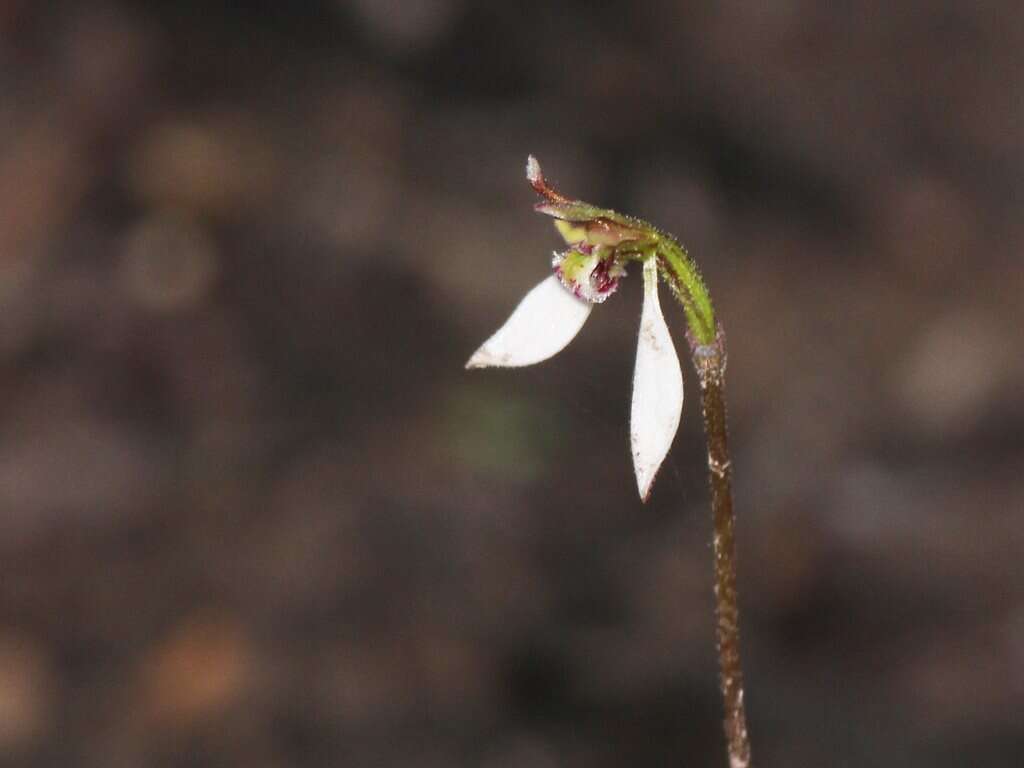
(635, 239)
(710, 360)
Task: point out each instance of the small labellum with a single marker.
(590, 272)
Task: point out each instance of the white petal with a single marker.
(546, 320)
(657, 388)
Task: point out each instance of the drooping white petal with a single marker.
(546, 320)
(657, 388)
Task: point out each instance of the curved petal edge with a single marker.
(543, 324)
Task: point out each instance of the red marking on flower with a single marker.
(602, 279)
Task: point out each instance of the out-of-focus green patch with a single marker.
(488, 430)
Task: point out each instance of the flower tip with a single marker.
(549, 209)
(533, 172)
(644, 485)
(480, 359)
(540, 185)
(646, 470)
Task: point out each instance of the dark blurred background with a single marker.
(253, 511)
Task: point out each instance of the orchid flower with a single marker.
(600, 245)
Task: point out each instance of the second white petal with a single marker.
(657, 388)
(546, 320)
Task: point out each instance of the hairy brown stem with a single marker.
(710, 359)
